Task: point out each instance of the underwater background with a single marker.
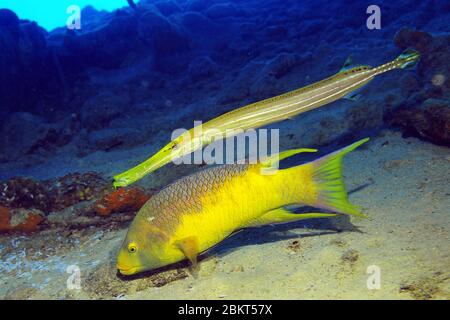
(80, 106)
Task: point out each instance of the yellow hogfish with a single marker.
(268, 111)
(197, 212)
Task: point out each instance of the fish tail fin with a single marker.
(328, 183)
(408, 59)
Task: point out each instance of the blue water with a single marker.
(53, 14)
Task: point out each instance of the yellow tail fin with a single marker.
(327, 177)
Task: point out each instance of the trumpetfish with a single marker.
(258, 114)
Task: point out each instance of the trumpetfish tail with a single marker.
(408, 59)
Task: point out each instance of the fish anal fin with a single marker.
(189, 247)
(282, 215)
(353, 96)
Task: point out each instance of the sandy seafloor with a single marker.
(402, 184)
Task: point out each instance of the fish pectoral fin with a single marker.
(282, 215)
(189, 247)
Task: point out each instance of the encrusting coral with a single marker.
(27, 204)
(121, 200)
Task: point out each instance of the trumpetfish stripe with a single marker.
(378, 70)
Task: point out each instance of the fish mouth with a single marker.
(127, 271)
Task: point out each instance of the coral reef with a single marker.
(74, 188)
(424, 110)
(20, 220)
(121, 200)
(71, 201)
(431, 123)
(25, 193)
(51, 195)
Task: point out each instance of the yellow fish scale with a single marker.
(241, 200)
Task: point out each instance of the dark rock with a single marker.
(163, 36)
(23, 52)
(365, 116)
(24, 134)
(239, 89)
(51, 195)
(199, 5)
(223, 10)
(201, 68)
(276, 33)
(93, 18)
(432, 122)
(168, 8)
(9, 20)
(407, 38)
(196, 23)
(98, 111)
(267, 82)
(108, 139)
(409, 84)
(434, 65)
(58, 135)
(283, 64)
(20, 134)
(105, 47)
(311, 27)
(74, 188)
(24, 193)
(442, 7)
(265, 87)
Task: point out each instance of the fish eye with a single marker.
(132, 247)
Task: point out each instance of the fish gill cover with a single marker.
(78, 106)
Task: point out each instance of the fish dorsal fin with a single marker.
(272, 162)
(189, 247)
(348, 64)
